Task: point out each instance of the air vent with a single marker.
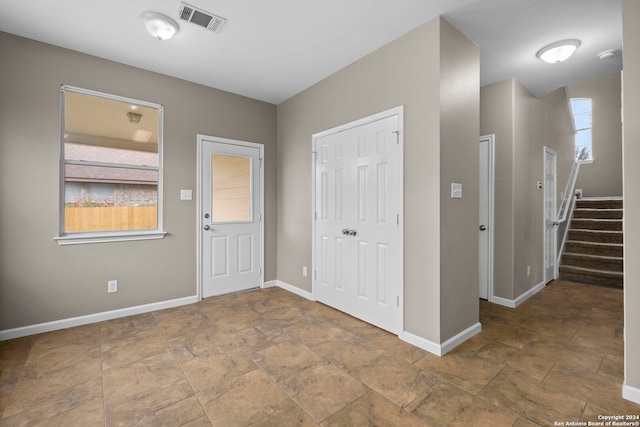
(202, 18)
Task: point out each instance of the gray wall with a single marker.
(41, 281)
(523, 126)
(603, 177)
(459, 153)
(631, 156)
(405, 72)
(496, 117)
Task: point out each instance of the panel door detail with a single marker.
(357, 231)
(230, 232)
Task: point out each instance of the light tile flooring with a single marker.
(271, 358)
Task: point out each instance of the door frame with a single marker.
(491, 139)
(544, 215)
(396, 111)
(201, 139)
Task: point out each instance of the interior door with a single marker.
(357, 227)
(485, 220)
(231, 217)
(550, 212)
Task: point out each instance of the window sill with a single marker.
(78, 239)
(585, 162)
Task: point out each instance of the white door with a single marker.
(486, 217)
(358, 193)
(550, 212)
(230, 226)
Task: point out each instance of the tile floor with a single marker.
(271, 358)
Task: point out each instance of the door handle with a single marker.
(482, 228)
(206, 227)
(345, 231)
(352, 232)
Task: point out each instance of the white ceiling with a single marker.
(271, 50)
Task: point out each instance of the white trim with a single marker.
(631, 393)
(505, 302)
(93, 318)
(199, 141)
(491, 139)
(447, 346)
(522, 298)
(293, 289)
(531, 292)
(76, 239)
(396, 111)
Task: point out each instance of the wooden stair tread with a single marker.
(600, 257)
(582, 242)
(591, 271)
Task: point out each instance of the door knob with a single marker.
(352, 232)
(206, 215)
(482, 228)
(345, 231)
(206, 227)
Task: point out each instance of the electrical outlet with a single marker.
(304, 271)
(112, 286)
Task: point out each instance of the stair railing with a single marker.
(566, 210)
(568, 194)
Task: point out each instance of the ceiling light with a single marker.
(558, 51)
(134, 117)
(607, 54)
(159, 26)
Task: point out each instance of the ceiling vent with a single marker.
(200, 17)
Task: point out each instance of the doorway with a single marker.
(357, 227)
(550, 212)
(230, 206)
(486, 191)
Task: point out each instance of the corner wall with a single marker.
(631, 156)
(459, 154)
(41, 281)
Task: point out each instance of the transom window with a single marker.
(111, 168)
(582, 116)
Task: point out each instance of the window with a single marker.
(581, 108)
(111, 168)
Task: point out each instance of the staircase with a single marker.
(594, 246)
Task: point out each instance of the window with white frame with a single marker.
(111, 168)
(582, 116)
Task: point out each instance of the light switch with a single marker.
(185, 195)
(456, 190)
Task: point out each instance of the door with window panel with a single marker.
(231, 241)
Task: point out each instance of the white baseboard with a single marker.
(293, 289)
(93, 318)
(269, 284)
(503, 301)
(445, 347)
(522, 298)
(631, 393)
(531, 292)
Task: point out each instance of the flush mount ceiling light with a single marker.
(558, 51)
(134, 117)
(159, 26)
